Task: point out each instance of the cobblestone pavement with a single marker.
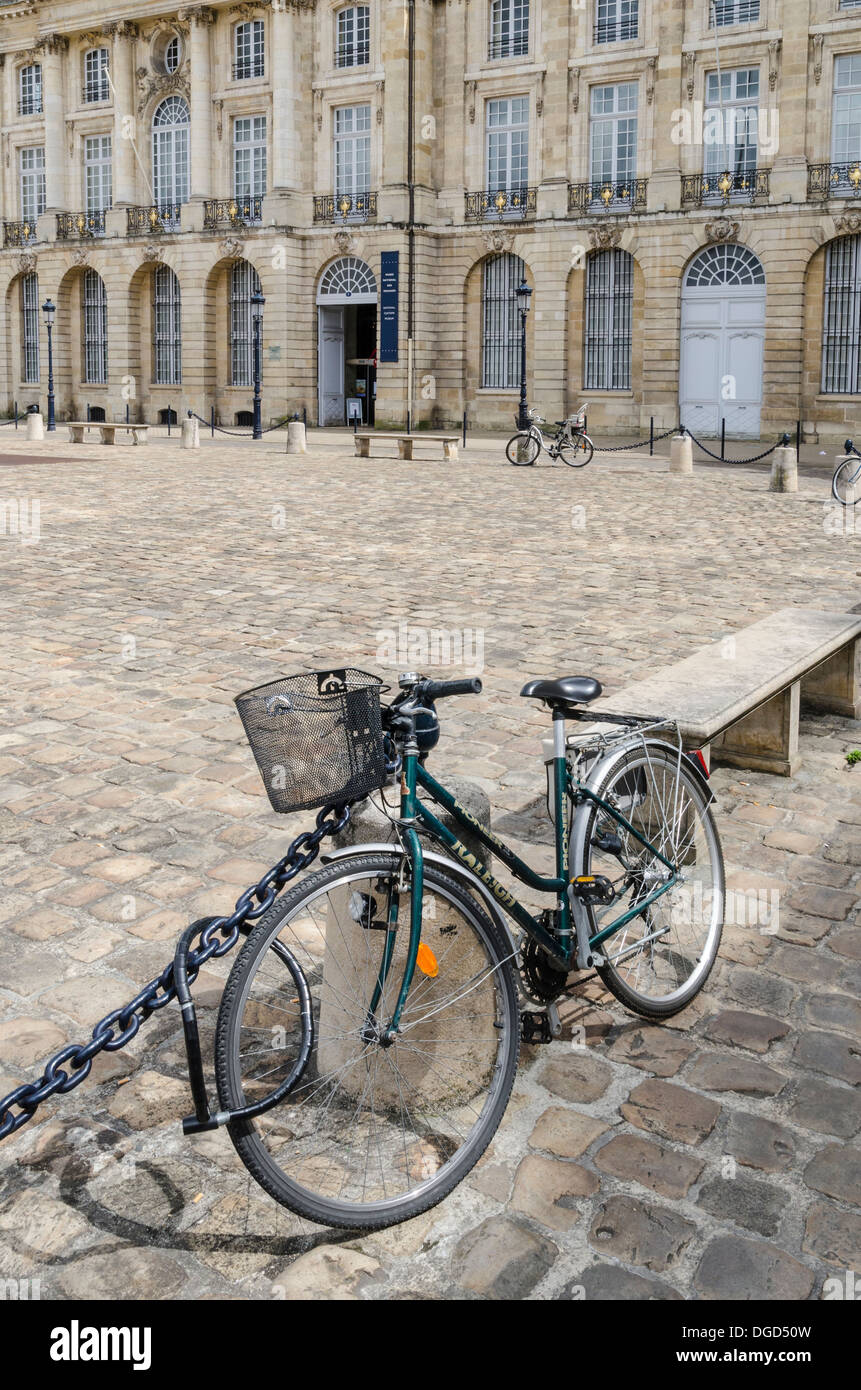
(712, 1156)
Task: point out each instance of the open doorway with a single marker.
(347, 343)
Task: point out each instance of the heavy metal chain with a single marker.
(218, 935)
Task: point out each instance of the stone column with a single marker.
(199, 19)
(122, 76)
(551, 102)
(664, 189)
(787, 94)
(53, 47)
(280, 62)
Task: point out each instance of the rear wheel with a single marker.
(522, 448)
(661, 958)
(578, 451)
(374, 1130)
(846, 483)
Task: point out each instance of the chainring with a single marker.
(542, 978)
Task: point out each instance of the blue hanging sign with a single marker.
(389, 281)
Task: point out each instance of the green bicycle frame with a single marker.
(559, 943)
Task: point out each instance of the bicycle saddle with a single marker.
(568, 690)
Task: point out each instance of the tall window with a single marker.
(244, 282)
(248, 49)
(352, 151)
(607, 337)
(166, 328)
(29, 328)
(841, 325)
(30, 90)
(500, 323)
(613, 133)
(95, 306)
(32, 182)
(507, 136)
(616, 20)
(733, 12)
(170, 125)
(730, 130)
(846, 119)
(354, 37)
(97, 172)
(509, 28)
(249, 156)
(96, 84)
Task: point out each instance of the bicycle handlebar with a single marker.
(438, 690)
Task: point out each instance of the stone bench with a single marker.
(738, 698)
(108, 430)
(405, 443)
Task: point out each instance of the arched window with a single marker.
(95, 314)
(30, 327)
(96, 84)
(172, 54)
(166, 328)
(170, 126)
(348, 278)
(725, 264)
(244, 282)
(30, 90)
(500, 323)
(841, 319)
(509, 28)
(353, 47)
(607, 338)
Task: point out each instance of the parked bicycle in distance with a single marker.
(846, 483)
(571, 443)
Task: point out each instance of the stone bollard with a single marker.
(681, 454)
(190, 433)
(296, 438)
(35, 426)
(784, 470)
(351, 959)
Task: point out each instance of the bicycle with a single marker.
(571, 443)
(845, 484)
(371, 1026)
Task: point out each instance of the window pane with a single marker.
(500, 342)
(841, 326)
(609, 302)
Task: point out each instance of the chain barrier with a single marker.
(250, 905)
(621, 448)
(13, 421)
(241, 434)
(754, 459)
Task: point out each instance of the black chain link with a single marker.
(253, 903)
(621, 448)
(241, 434)
(755, 458)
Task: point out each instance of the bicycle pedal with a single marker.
(593, 888)
(535, 1027)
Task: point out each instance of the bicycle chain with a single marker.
(161, 990)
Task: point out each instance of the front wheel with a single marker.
(577, 452)
(661, 957)
(846, 483)
(375, 1129)
(522, 448)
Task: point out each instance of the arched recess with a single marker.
(154, 389)
(346, 341)
(218, 323)
(25, 366)
(831, 368)
(722, 341)
(82, 344)
(492, 339)
(606, 301)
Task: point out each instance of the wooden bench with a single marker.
(405, 443)
(738, 698)
(108, 429)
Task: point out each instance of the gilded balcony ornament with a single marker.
(855, 176)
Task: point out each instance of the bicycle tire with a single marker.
(581, 451)
(525, 443)
(623, 771)
(246, 1135)
(844, 470)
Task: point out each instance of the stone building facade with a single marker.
(679, 183)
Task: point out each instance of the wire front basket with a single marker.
(316, 737)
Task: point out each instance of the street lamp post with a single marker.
(523, 294)
(257, 302)
(49, 309)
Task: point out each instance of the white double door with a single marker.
(330, 364)
(723, 336)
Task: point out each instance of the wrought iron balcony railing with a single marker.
(95, 91)
(30, 106)
(345, 207)
(232, 212)
(356, 55)
(147, 220)
(615, 30)
(516, 46)
(80, 224)
(745, 186)
(250, 67)
(506, 204)
(627, 196)
(19, 233)
(834, 180)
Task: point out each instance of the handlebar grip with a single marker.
(437, 690)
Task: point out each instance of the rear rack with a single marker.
(631, 728)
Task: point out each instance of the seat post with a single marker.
(559, 788)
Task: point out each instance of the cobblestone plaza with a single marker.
(713, 1156)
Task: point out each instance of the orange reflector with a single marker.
(426, 961)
